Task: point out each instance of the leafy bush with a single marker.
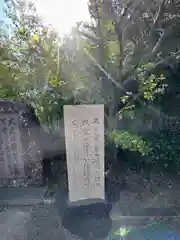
(131, 142)
(48, 103)
(165, 154)
(9, 93)
(158, 150)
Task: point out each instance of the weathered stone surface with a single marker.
(20, 158)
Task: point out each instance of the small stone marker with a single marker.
(84, 134)
(11, 160)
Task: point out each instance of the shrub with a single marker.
(165, 142)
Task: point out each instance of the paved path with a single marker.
(25, 218)
(39, 222)
(32, 223)
(22, 195)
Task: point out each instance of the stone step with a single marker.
(22, 196)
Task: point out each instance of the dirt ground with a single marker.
(157, 196)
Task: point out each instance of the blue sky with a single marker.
(1, 9)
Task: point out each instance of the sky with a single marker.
(63, 14)
(1, 9)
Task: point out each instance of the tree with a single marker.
(34, 44)
(9, 85)
(36, 52)
(118, 59)
(130, 44)
(131, 39)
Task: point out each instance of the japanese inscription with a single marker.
(84, 132)
(11, 162)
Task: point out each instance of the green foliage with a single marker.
(48, 103)
(128, 141)
(123, 232)
(151, 85)
(33, 56)
(8, 93)
(166, 147)
(34, 45)
(56, 82)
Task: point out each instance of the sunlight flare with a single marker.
(63, 14)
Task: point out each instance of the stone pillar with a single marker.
(11, 154)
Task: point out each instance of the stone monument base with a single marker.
(88, 221)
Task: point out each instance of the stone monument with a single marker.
(84, 131)
(11, 159)
(86, 213)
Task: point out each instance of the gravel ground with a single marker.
(32, 223)
(41, 222)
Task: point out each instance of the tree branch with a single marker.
(92, 38)
(164, 62)
(175, 57)
(158, 44)
(158, 15)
